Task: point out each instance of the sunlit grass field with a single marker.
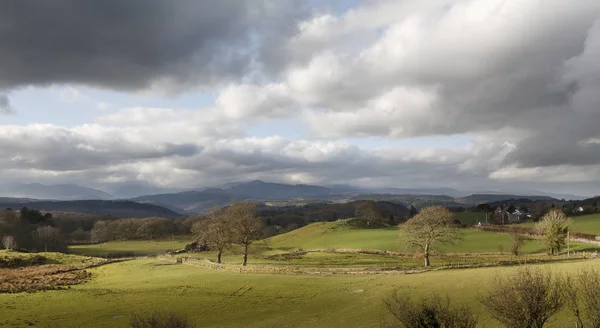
(224, 299)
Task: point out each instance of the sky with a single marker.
(465, 94)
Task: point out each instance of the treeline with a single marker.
(32, 230)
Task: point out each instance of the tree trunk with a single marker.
(245, 255)
(426, 255)
(219, 256)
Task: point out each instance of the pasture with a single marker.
(585, 223)
(341, 284)
(224, 299)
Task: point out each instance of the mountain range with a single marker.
(198, 201)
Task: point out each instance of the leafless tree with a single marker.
(433, 224)
(582, 297)
(9, 242)
(553, 228)
(526, 298)
(215, 231)
(517, 241)
(433, 312)
(245, 225)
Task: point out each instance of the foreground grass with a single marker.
(223, 299)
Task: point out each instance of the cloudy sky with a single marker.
(469, 94)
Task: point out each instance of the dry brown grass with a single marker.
(44, 277)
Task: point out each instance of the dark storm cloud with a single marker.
(127, 44)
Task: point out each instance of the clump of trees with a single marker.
(237, 224)
(553, 227)
(367, 215)
(433, 312)
(432, 225)
(132, 229)
(31, 230)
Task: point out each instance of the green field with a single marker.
(470, 218)
(330, 298)
(336, 235)
(137, 247)
(586, 223)
(224, 299)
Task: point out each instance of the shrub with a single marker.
(427, 313)
(525, 298)
(160, 320)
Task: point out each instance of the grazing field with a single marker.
(224, 299)
(585, 223)
(132, 247)
(337, 235)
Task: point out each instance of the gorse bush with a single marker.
(160, 320)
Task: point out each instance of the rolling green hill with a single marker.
(338, 235)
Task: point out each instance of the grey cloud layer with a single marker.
(504, 71)
(130, 44)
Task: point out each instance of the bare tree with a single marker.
(215, 231)
(432, 312)
(553, 228)
(582, 297)
(433, 224)
(246, 227)
(526, 298)
(517, 241)
(9, 242)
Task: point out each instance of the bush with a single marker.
(427, 313)
(160, 320)
(525, 298)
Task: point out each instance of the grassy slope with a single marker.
(585, 223)
(336, 235)
(223, 299)
(138, 247)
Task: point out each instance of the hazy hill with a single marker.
(128, 209)
(200, 201)
(56, 192)
(191, 201)
(301, 215)
(490, 198)
(276, 191)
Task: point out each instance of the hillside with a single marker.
(128, 209)
(55, 192)
(301, 215)
(339, 235)
(476, 199)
